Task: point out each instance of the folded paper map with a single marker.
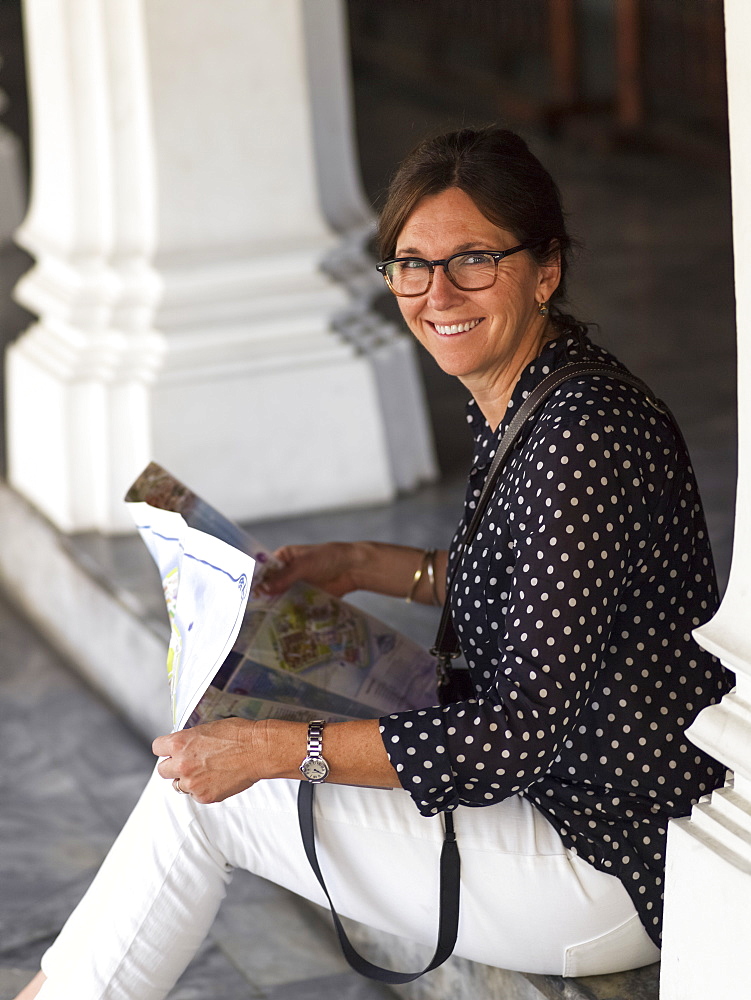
(298, 656)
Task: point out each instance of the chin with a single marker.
(456, 371)
(449, 363)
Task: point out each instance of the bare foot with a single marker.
(31, 989)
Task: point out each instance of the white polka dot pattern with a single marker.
(574, 607)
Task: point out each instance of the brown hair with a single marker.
(505, 180)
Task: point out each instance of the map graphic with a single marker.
(298, 656)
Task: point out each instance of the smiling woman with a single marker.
(488, 334)
(480, 190)
(573, 602)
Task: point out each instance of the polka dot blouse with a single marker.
(574, 607)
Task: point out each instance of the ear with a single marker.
(549, 275)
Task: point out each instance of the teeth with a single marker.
(457, 327)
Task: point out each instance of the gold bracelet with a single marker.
(431, 575)
(417, 577)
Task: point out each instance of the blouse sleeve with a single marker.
(573, 517)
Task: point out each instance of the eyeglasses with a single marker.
(470, 272)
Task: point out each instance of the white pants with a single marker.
(526, 902)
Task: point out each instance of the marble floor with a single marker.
(71, 772)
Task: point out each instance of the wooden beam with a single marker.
(628, 49)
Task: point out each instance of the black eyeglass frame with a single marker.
(497, 255)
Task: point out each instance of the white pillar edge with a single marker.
(708, 878)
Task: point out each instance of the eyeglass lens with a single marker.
(469, 271)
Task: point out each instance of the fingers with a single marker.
(169, 769)
(165, 746)
(211, 761)
(288, 568)
(326, 566)
(175, 769)
(172, 766)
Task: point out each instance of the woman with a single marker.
(574, 606)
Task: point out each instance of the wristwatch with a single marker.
(314, 767)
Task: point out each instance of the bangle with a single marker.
(427, 565)
(431, 576)
(417, 577)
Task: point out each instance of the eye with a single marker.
(411, 264)
(475, 260)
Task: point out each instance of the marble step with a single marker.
(461, 979)
(71, 773)
(99, 602)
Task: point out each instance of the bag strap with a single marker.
(448, 922)
(446, 646)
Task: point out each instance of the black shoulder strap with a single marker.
(448, 902)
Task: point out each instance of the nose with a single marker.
(443, 294)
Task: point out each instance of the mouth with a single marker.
(451, 329)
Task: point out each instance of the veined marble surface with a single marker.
(69, 775)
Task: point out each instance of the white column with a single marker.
(202, 292)
(708, 885)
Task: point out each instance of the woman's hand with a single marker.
(341, 567)
(331, 566)
(214, 760)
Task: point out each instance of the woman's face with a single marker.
(482, 337)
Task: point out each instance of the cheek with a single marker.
(514, 297)
(409, 310)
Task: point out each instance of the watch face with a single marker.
(315, 768)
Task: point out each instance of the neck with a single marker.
(493, 395)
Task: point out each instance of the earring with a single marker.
(543, 308)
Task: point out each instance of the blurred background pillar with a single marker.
(708, 888)
(201, 276)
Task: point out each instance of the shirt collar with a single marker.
(556, 353)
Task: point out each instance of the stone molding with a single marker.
(201, 280)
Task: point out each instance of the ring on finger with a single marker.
(176, 786)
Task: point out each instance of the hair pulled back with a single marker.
(503, 178)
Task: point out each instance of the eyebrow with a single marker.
(472, 245)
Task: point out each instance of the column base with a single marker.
(707, 889)
(258, 441)
(278, 442)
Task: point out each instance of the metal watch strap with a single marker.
(315, 767)
(315, 737)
